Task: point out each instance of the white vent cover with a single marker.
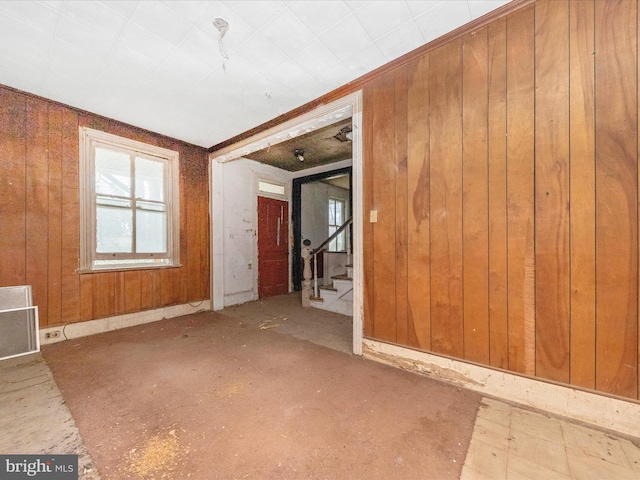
(18, 322)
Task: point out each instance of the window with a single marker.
(268, 187)
(129, 215)
(336, 219)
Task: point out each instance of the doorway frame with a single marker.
(347, 106)
(296, 216)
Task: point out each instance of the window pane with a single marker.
(271, 188)
(151, 228)
(113, 172)
(114, 225)
(149, 179)
(339, 213)
(332, 212)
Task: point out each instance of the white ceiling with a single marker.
(158, 64)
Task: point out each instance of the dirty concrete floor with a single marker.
(212, 395)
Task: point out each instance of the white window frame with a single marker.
(89, 140)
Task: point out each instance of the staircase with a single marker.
(337, 297)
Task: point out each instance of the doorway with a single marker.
(296, 213)
(347, 106)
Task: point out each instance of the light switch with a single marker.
(373, 216)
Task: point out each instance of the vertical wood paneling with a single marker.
(384, 231)
(582, 189)
(12, 189)
(120, 293)
(475, 209)
(520, 189)
(132, 291)
(55, 215)
(401, 203)
(37, 204)
(446, 199)
(147, 290)
(368, 107)
(86, 297)
(104, 303)
(497, 127)
(39, 212)
(616, 198)
(419, 265)
(70, 281)
(552, 189)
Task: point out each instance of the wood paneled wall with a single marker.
(504, 169)
(40, 214)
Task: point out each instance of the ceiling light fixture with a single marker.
(299, 154)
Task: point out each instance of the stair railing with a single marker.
(308, 254)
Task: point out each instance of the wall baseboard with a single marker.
(101, 325)
(598, 410)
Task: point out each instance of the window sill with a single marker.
(127, 269)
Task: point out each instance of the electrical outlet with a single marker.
(54, 334)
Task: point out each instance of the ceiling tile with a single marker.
(286, 31)
(140, 65)
(382, 17)
(24, 42)
(84, 36)
(30, 13)
(319, 16)
(97, 17)
(259, 51)
(187, 66)
(123, 7)
(160, 20)
(418, 7)
(365, 60)
(335, 75)
(201, 46)
(237, 73)
(291, 74)
(354, 5)
(442, 19)
(345, 38)
(118, 74)
(55, 5)
(144, 41)
(315, 57)
(480, 7)
(400, 41)
(255, 12)
(66, 56)
(190, 10)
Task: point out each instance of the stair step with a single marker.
(328, 288)
(344, 276)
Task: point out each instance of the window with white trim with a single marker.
(129, 212)
(336, 219)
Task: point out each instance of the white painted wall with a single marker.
(315, 212)
(240, 223)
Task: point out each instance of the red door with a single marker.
(273, 247)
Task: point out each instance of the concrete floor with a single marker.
(508, 442)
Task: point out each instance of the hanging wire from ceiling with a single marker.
(223, 27)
